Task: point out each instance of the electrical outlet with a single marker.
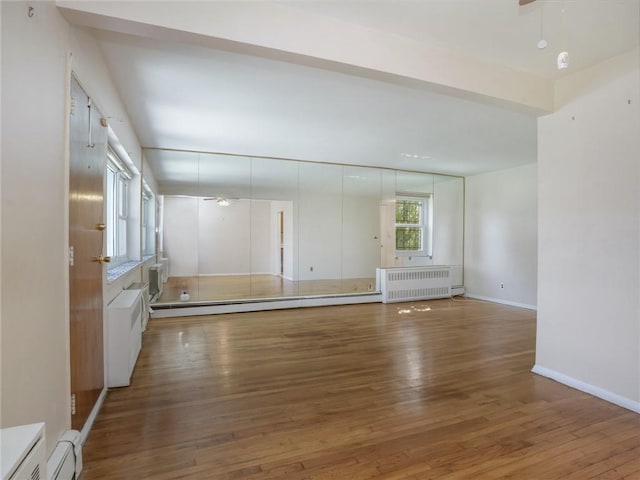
(502, 285)
(311, 269)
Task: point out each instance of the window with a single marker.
(412, 234)
(117, 207)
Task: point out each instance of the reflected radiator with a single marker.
(155, 281)
(414, 283)
(165, 269)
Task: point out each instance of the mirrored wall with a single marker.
(240, 228)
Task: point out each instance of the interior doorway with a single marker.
(281, 242)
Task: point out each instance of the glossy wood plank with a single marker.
(426, 390)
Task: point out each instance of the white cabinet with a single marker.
(22, 452)
(124, 336)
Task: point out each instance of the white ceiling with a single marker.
(500, 31)
(189, 97)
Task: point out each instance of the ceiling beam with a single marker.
(274, 31)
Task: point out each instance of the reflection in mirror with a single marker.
(448, 224)
(360, 228)
(320, 228)
(274, 194)
(149, 209)
(413, 219)
(176, 174)
(237, 228)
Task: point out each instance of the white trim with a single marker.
(611, 397)
(92, 416)
(260, 306)
(503, 302)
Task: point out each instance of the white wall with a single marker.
(181, 235)
(204, 238)
(501, 236)
(448, 225)
(589, 269)
(35, 334)
(320, 221)
(224, 238)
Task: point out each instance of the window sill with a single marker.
(116, 272)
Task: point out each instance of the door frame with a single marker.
(71, 74)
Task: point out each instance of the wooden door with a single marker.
(87, 152)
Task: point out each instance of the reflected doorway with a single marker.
(280, 230)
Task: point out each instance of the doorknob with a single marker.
(100, 226)
(102, 259)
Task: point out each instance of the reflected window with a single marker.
(148, 220)
(411, 224)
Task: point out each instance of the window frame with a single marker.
(117, 206)
(424, 225)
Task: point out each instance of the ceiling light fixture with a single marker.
(563, 60)
(563, 57)
(421, 157)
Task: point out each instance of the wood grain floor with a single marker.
(428, 390)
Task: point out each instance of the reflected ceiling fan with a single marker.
(525, 2)
(222, 201)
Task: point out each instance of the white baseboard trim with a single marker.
(257, 306)
(92, 416)
(610, 397)
(503, 302)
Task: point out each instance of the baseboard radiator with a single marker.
(404, 284)
(65, 463)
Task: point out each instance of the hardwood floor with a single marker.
(427, 390)
(231, 287)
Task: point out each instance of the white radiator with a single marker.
(144, 288)
(22, 452)
(124, 336)
(414, 283)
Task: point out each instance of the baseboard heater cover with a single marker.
(403, 284)
(65, 463)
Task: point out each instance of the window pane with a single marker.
(111, 210)
(122, 201)
(122, 238)
(408, 238)
(408, 211)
